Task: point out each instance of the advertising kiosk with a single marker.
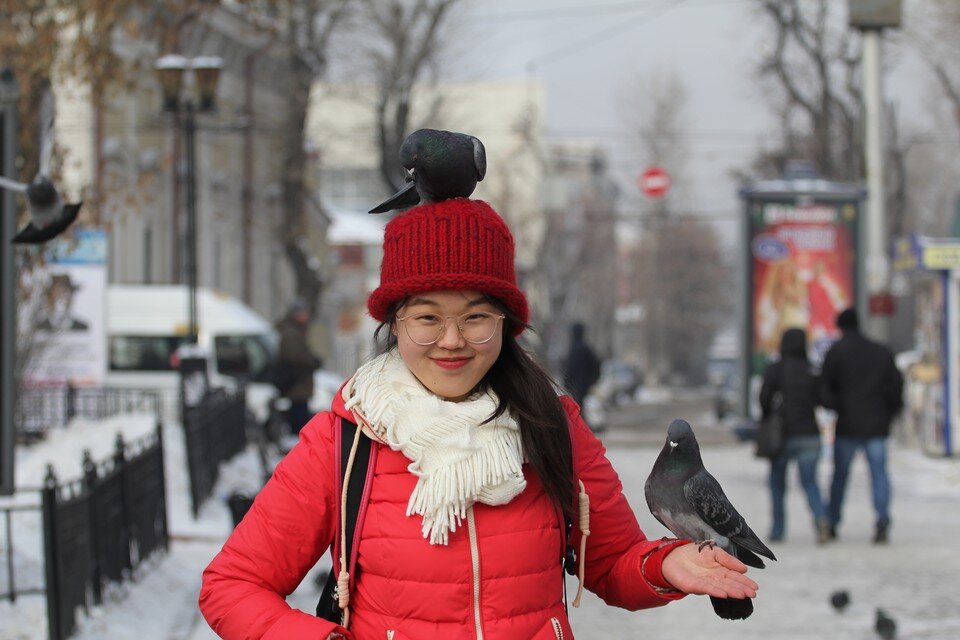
(800, 267)
(932, 377)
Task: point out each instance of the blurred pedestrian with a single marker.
(474, 465)
(792, 377)
(581, 369)
(296, 363)
(861, 382)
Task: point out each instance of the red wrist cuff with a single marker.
(651, 567)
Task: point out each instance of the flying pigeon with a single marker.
(689, 502)
(885, 626)
(839, 600)
(48, 215)
(441, 165)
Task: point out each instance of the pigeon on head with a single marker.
(441, 165)
(689, 502)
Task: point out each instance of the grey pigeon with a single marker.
(839, 600)
(885, 626)
(689, 502)
(441, 165)
(48, 215)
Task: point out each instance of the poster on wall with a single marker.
(803, 273)
(68, 326)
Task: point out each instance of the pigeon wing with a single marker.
(47, 118)
(479, 158)
(33, 235)
(12, 185)
(706, 496)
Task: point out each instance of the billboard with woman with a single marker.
(801, 267)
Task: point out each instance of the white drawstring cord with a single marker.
(583, 501)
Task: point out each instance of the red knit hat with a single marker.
(453, 244)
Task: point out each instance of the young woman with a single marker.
(477, 462)
(792, 378)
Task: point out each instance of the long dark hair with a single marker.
(525, 389)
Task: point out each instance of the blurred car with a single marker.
(723, 376)
(146, 324)
(594, 413)
(726, 395)
(618, 384)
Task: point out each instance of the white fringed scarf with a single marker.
(457, 457)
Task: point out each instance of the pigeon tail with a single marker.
(749, 542)
(732, 608)
(749, 558)
(408, 196)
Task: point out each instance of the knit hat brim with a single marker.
(380, 300)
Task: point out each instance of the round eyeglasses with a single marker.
(476, 327)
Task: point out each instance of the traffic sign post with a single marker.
(654, 182)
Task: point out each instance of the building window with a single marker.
(352, 189)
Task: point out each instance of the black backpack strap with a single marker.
(357, 481)
(328, 606)
(568, 563)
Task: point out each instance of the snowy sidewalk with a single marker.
(914, 578)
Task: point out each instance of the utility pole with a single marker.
(9, 92)
(871, 17)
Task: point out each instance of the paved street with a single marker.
(914, 577)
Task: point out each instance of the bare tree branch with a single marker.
(405, 41)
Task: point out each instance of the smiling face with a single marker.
(451, 367)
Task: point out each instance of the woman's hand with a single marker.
(711, 571)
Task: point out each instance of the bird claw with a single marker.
(706, 543)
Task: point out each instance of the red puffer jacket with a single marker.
(499, 578)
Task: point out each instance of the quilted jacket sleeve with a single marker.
(616, 546)
(289, 526)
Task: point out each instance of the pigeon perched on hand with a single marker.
(885, 626)
(441, 165)
(689, 502)
(839, 600)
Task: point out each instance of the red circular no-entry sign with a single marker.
(654, 182)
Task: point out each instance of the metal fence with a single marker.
(215, 430)
(99, 529)
(13, 564)
(42, 408)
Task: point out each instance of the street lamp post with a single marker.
(172, 70)
(871, 17)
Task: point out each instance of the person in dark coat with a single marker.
(792, 377)
(861, 382)
(581, 370)
(296, 363)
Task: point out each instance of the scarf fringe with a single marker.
(444, 496)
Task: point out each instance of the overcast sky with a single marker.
(584, 50)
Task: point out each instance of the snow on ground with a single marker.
(913, 578)
(653, 395)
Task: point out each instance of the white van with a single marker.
(147, 323)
